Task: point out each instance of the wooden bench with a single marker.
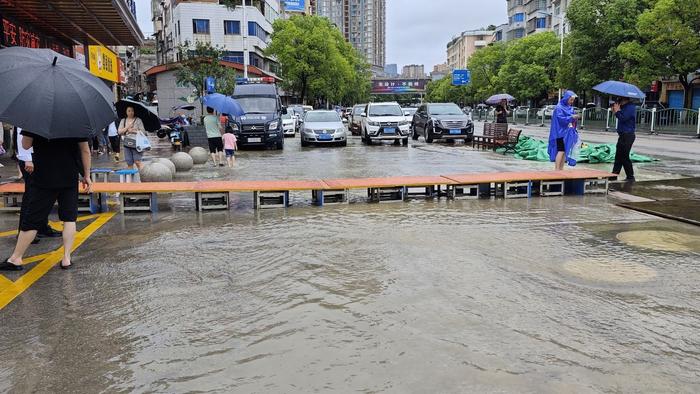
(492, 132)
(509, 141)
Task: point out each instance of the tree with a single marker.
(316, 63)
(667, 45)
(598, 27)
(485, 65)
(201, 62)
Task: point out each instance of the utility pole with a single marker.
(245, 40)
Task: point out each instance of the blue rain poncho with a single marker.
(562, 127)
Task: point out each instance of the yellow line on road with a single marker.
(25, 281)
(5, 283)
(58, 226)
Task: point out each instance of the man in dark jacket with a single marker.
(626, 113)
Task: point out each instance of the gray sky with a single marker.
(417, 30)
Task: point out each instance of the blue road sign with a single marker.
(461, 77)
(211, 84)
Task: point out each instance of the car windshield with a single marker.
(258, 105)
(358, 110)
(445, 109)
(385, 110)
(411, 111)
(325, 116)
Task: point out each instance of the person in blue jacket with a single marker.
(560, 140)
(626, 113)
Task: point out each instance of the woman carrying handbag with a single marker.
(130, 128)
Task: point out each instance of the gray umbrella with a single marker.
(52, 95)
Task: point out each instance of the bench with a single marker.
(510, 141)
(492, 132)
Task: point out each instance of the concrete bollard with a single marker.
(167, 163)
(183, 162)
(199, 155)
(155, 172)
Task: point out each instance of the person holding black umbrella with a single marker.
(626, 113)
(502, 112)
(59, 105)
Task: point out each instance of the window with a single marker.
(255, 60)
(520, 33)
(232, 28)
(178, 28)
(499, 36)
(256, 30)
(200, 26)
(519, 17)
(235, 57)
(541, 23)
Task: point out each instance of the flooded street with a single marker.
(548, 295)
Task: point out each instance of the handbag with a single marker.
(142, 143)
(129, 141)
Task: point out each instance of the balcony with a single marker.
(203, 38)
(481, 43)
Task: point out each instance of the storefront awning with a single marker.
(105, 22)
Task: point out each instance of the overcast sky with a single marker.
(417, 30)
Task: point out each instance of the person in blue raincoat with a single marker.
(561, 140)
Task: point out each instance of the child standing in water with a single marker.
(230, 146)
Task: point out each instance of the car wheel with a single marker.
(428, 136)
(414, 133)
(344, 143)
(362, 137)
(280, 145)
(405, 141)
(304, 144)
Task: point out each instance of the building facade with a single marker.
(527, 17)
(182, 23)
(414, 71)
(363, 23)
(137, 60)
(391, 70)
(463, 46)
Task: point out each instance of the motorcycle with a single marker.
(174, 129)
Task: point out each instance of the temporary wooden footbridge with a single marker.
(275, 194)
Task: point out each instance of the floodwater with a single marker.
(467, 296)
(545, 295)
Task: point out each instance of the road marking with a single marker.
(14, 289)
(58, 226)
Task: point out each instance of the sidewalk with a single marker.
(681, 147)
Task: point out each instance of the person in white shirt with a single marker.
(114, 140)
(26, 167)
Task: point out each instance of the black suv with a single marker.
(262, 123)
(441, 121)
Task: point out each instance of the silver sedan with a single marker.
(323, 128)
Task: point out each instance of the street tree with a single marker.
(201, 61)
(485, 65)
(316, 62)
(667, 45)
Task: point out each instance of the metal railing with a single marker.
(671, 121)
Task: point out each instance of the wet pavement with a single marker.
(570, 294)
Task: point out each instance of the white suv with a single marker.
(384, 121)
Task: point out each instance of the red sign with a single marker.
(18, 35)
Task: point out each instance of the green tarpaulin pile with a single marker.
(532, 149)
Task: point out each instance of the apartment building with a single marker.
(413, 71)
(363, 23)
(527, 17)
(185, 22)
(464, 45)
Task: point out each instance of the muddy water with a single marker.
(473, 296)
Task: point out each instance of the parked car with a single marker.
(547, 111)
(323, 128)
(442, 121)
(356, 118)
(289, 125)
(384, 122)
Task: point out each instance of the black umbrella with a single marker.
(52, 95)
(151, 122)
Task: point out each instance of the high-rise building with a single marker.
(527, 17)
(363, 23)
(413, 71)
(391, 70)
(460, 49)
(181, 22)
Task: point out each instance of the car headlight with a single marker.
(273, 125)
(234, 126)
(370, 123)
(340, 130)
(404, 123)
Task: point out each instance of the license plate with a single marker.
(325, 137)
(455, 131)
(390, 130)
(254, 139)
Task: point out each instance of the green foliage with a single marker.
(200, 62)
(316, 63)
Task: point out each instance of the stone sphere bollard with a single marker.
(155, 172)
(183, 162)
(199, 155)
(167, 163)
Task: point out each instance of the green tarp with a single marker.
(531, 149)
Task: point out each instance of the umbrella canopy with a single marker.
(223, 104)
(621, 89)
(52, 95)
(151, 122)
(497, 98)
